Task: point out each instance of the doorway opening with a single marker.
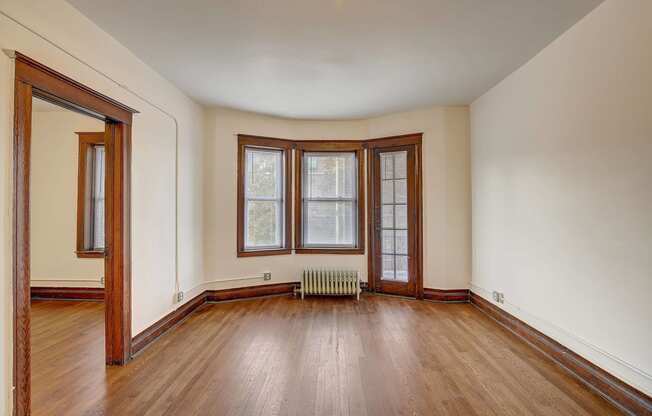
(34, 80)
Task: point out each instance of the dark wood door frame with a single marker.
(389, 142)
(35, 79)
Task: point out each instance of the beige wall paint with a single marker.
(153, 239)
(446, 189)
(55, 156)
(6, 305)
(562, 199)
(446, 192)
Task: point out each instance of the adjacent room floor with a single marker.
(282, 356)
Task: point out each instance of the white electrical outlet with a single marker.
(102, 280)
(267, 276)
(179, 296)
(499, 297)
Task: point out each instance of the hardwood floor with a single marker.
(321, 356)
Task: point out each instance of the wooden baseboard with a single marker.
(627, 398)
(67, 293)
(164, 324)
(149, 335)
(446, 295)
(250, 292)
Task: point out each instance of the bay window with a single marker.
(263, 195)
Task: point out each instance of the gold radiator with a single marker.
(330, 282)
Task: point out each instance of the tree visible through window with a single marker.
(264, 201)
(263, 194)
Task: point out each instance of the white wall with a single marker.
(447, 261)
(562, 198)
(153, 156)
(53, 192)
(6, 311)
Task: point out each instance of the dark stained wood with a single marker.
(164, 324)
(330, 145)
(622, 395)
(381, 356)
(446, 295)
(21, 244)
(86, 140)
(412, 144)
(117, 141)
(89, 254)
(55, 84)
(327, 146)
(281, 144)
(261, 141)
(250, 292)
(68, 293)
(402, 140)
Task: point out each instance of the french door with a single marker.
(395, 264)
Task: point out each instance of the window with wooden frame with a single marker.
(90, 195)
(264, 192)
(329, 197)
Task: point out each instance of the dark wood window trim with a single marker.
(286, 146)
(86, 140)
(328, 146)
(35, 79)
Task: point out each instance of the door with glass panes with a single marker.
(394, 234)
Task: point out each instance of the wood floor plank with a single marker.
(284, 356)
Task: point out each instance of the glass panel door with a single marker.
(394, 237)
(394, 228)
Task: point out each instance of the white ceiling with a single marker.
(334, 59)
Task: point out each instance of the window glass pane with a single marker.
(388, 242)
(263, 224)
(401, 216)
(400, 165)
(386, 192)
(329, 223)
(401, 242)
(401, 268)
(388, 216)
(264, 198)
(386, 166)
(329, 175)
(263, 171)
(98, 198)
(388, 268)
(400, 191)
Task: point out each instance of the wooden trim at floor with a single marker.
(627, 398)
(446, 295)
(159, 327)
(67, 293)
(149, 335)
(250, 292)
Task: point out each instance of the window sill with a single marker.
(258, 253)
(326, 250)
(89, 254)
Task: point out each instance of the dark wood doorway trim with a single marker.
(386, 142)
(35, 79)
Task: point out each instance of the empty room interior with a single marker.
(325, 207)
